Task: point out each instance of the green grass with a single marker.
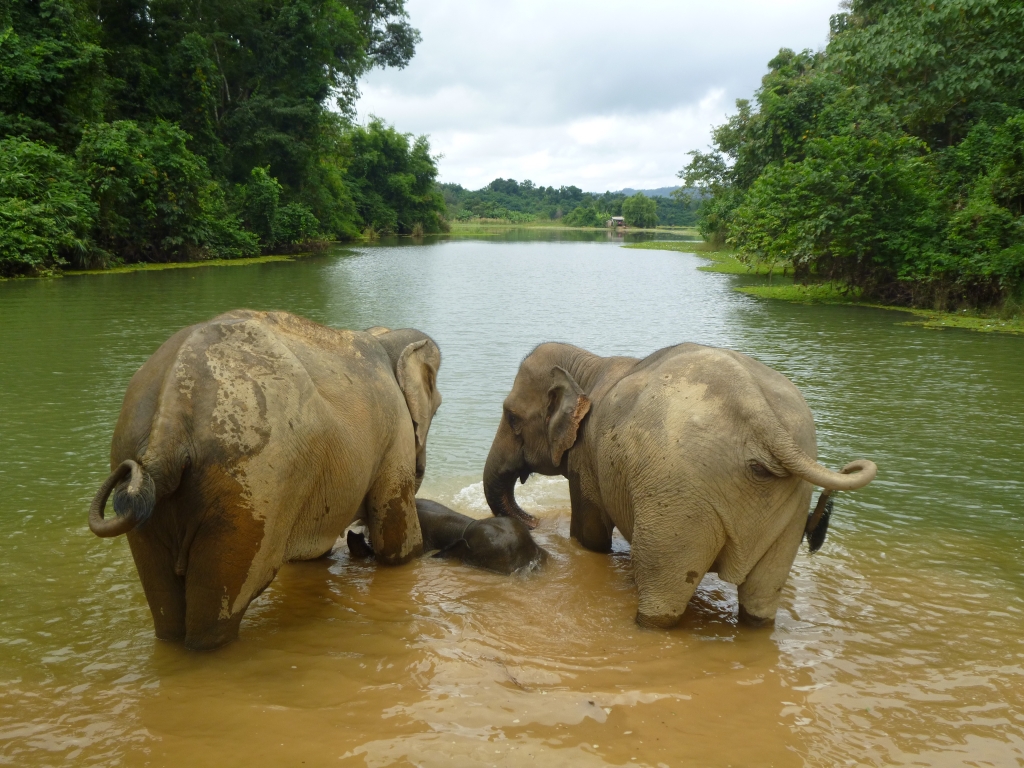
(189, 264)
(722, 261)
(725, 262)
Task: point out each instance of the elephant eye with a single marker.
(514, 421)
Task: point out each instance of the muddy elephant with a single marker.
(499, 544)
(703, 458)
(254, 439)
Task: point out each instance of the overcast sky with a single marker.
(603, 95)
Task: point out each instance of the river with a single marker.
(900, 643)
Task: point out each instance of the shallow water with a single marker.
(901, 642)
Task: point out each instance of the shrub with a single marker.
(585, 216)
(295, 224)
(156, 199)
(260, 198)
(45, 211)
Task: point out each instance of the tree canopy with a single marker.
(640, 211)
(201, 129)
(892, 160)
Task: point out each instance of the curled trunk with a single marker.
(499, 490)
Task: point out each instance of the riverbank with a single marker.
(780, 286)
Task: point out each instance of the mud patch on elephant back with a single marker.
(236, 364)
(692, 577)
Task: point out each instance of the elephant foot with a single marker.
(170, 635)
(754, 621)
(657, 622)
(211, 637)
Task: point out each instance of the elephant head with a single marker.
(415, 359)
(540, 422)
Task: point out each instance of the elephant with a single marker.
(703, 458)
(254, 439)
(503, 545)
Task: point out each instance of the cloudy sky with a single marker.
(603, 95)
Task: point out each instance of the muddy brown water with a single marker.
(900, 643)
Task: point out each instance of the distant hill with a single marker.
(659, 192)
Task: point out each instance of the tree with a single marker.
(51, 71)
(393, 179)
(640, 211)
(891, 161)
(46, 215)
(156, 199)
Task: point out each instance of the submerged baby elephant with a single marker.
(498, 544)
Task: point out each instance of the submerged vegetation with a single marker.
(161, 130)
(891, 163)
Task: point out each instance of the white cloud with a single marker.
(602, 95)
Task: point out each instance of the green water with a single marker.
(914, 609)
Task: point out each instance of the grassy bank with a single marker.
(782, 288)
(186, 264)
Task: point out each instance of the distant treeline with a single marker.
(524, 202)
(167, 130)
(892, 161)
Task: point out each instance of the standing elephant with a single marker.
(254, 439)
(703, 458)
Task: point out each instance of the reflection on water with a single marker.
(900, 643)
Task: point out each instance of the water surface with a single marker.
(901, 642)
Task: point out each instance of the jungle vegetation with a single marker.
(167, 130)
(891, 162)
(522, 202)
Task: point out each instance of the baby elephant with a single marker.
(501, 544)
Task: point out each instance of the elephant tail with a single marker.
(133, 500)
(854, 475)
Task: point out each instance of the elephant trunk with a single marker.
(499, 490)
(133, 503)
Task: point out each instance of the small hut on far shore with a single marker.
(615, 221)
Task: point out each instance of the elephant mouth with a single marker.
(501, 497)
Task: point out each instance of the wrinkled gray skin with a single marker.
(254, 439)
(503, 545)
(703, 458)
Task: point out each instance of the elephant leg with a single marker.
(761, 592)
(165, 591)
(224, 575)
(671, 553)
(589, 524)
(391, 519)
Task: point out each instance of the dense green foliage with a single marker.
(523, 202)
(45, 211)
(173, 130)
(640, 211)
(892, 161)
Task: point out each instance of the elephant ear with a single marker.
(567, 405)
(417, 376)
